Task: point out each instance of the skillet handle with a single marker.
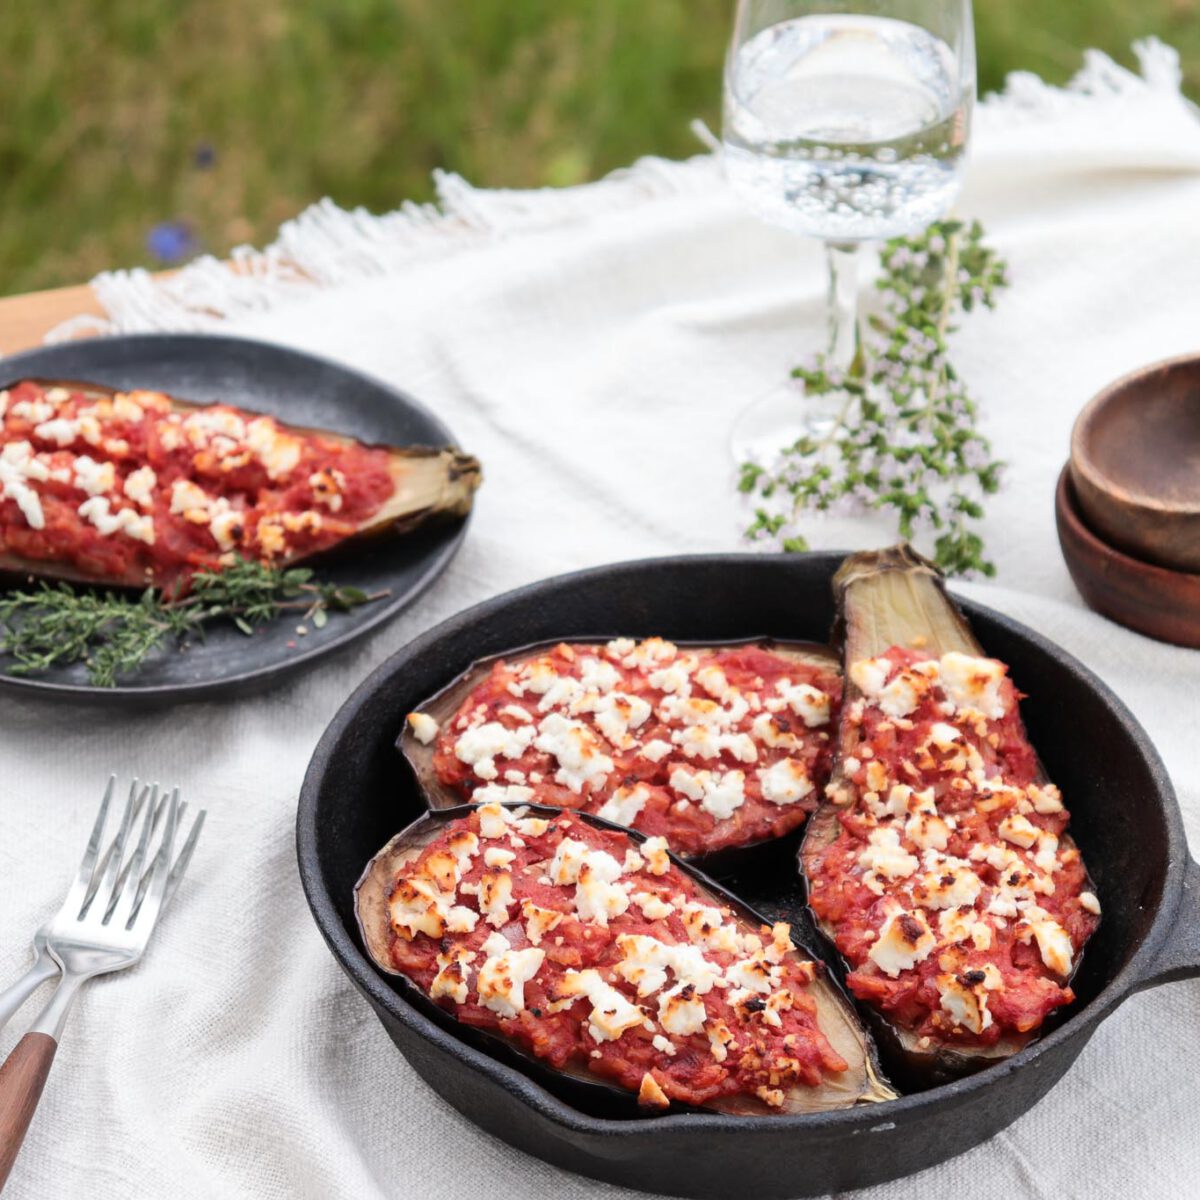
(1179, 956)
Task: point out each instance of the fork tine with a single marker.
(147, 914)
(121, 901)
(103, 875)
(102, 871)
(185, 855)
(116, 851)
(145, 879)
(144, 882)
(82, 881)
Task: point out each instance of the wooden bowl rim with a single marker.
(1082, 465)
(1066, 504)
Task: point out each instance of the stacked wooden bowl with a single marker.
(1128, 502)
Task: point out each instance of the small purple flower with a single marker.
(204, 156)
(171, 241)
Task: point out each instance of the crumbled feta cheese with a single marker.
(655, 750)
(712, 679)
(966, 1003)
(904, 940)
(128, 521)
(612, 1014)
(616, 714)
(140, 484)
(654, 851)
(807, 702)
(786, 782)
(625, 804)
(654, 908)
(580, 759)
(951, 884)
(971, 682)
(502, 979)
(886, 856)
(681, 1011)
(481, 746)
(720, 794)
(1019, 830)
(424, 728)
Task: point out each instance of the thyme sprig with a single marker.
(906, 439)
(113, 634)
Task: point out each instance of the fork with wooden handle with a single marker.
(104, 925)
(44, 968)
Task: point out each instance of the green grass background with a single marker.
(104, 102)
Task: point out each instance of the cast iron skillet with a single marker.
(302, 390)
(358, 793)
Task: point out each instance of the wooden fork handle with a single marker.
(21, 1081)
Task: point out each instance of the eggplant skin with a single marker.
(443, 704)
(916, 600)
(431, 483)
(862, 1083)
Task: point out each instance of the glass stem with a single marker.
(845, 348)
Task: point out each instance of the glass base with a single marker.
(779, 419)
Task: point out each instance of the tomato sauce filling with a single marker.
(597, 955)
(127, 489)
(950, 886)
(707, 748)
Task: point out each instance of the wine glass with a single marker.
(845, 120)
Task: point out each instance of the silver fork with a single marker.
(44, 967)
(104, 925)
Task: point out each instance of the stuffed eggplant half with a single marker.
(137, 488)
(939, 864)
(719, 749)
(597, 957)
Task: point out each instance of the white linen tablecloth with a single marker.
(592, 347)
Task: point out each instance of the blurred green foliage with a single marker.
(232, 115)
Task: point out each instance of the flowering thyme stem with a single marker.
(906, 440)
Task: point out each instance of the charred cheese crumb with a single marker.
(140, 485)
(1053, 941)
(424, 728)
(785, 782)
(681, 1011)
(971, 682)
(720, 794)
(964, 998)
(539, 921)
(1019, 830)
(616, 714)
(885, 856)
(650, 1094)
(810, 704)
(649, 653)
(612, 1014)
(625, 804)
(501, 981)
(580, 759)
(654, 908)
(654, 851)
(451, 980)
(904, 940)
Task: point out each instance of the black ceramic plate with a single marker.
(358, 792)
(297, 388)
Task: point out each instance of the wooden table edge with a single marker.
(26, 319)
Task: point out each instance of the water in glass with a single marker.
(846, 126)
